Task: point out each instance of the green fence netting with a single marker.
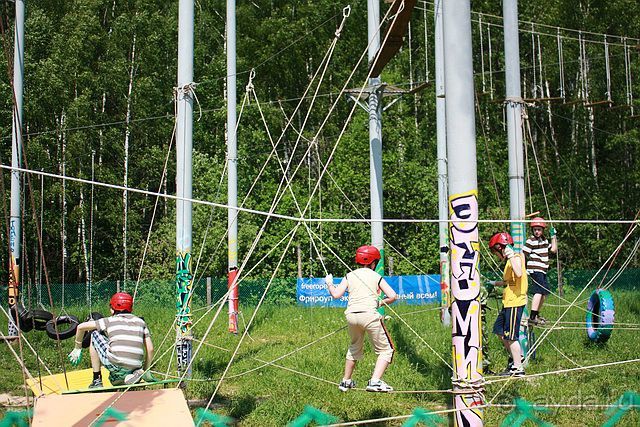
(282, 290)
(162, 292)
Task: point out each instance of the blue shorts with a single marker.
(507, 324)
(538, 283)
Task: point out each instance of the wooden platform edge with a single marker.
(120, 387)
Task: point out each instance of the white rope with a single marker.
(627, 61)
(567, 405)
(607, 68)
(346, 197)
(298, 219)
(561, 371)
(567, 357)
(624, 266)
(534, 91)
(272, 361)
(155, 208)
(35, 353)
(552, 28)
(490, 60)
(25, 370)
(402, 417)
(393, 311)
(583, 328)
(426, 46)
(561, 65)
(277, 199)
(484, 86)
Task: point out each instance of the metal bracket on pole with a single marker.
(382, 90)
(362, 105)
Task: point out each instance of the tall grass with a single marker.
(273, 396)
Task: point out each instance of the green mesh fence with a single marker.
(161, 292)
(282, 291)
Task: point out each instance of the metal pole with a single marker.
(443, 204)
(375, 134)
(232, 165)
(16, 162)
(184, 132)
(513, 107)
(466, 335)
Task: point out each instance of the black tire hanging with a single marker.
(62, 334)
(86, 339)
(40, 319)
(22, 317)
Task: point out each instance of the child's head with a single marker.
(537, 226)
(121, 302)
(367, 255)
(499, 242)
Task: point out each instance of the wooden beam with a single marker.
(394, 34)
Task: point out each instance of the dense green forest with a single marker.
(99, 73)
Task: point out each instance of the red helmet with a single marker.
(538, 222)
(122, 301)
(503, 239)
(366, 254)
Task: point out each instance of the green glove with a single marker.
(75, 356)
(552, 232)
(490, 286)
(149, 378)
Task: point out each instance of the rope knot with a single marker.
(187, 90)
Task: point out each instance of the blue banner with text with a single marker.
(414, 290)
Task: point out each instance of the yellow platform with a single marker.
(56, 384)
(153, 408)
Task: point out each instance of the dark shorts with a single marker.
(538, 284)
(507, 324)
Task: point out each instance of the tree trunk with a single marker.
(552, 130)
(82, 235)
(127, 133)
(63, 201)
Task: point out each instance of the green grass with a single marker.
(273, 396)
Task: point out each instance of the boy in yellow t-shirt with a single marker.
(514, 299)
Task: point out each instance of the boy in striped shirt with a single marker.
(536, 250)
(121, 343)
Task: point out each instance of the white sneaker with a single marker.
(379, 386)
(345, 385)
(133, 377)
(517, 372)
